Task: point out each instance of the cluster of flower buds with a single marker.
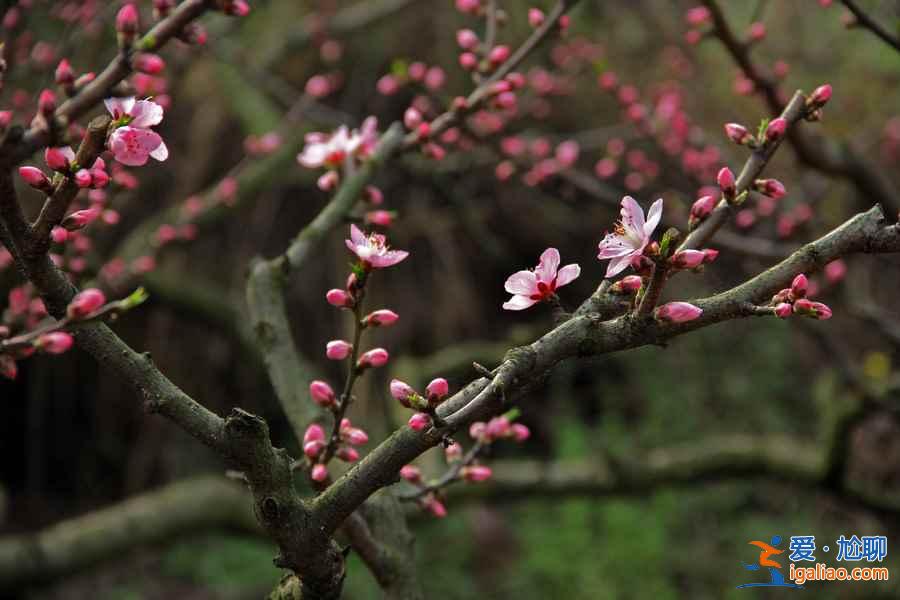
(435, 393)
(66, 80)
(62, 160)
(498, 428)
(793, 300)
(696, 18)
(315, 446)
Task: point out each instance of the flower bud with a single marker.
(820, 96)
(85, 302)
(688, 259)
(498, 55)
(677, 312)
(776, 128)
(535, 17)
(338, 349)
(770, 187)
(83, 178)
(520, 432)
(411, 473)
(696, 16)
(35, 178)
(99, 178)
(80, 218)
(321, 393)
(383, 317)
(835, 271)
(453, 452)
(328, 181)
(412, 118)
(435, 506)
(419, 421)
(468, 61)
(783, 310)
(151, 64)
(59, 234)
(799, 286)
(376, 357)
(374, 196)
(347, 454)
(726, 182)
(478, 431)
(475, 473)
(498, 427)
(382, 218)
(701, 209)
(47, 103)
(127, 21)
(437, 390)
(59, 159)
(313, 448)
(402, 392)
(54, 343)
(629, 284)
(737, 133)
(64, 75)
(319, 473)
(314, 433)
(467, 39)
(339, 298)
(354, 436)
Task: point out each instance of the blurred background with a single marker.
(822, 394)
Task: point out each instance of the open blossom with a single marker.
(530, 287)
(373, 250)
(330, 150)
(630, 235)
(133, 141)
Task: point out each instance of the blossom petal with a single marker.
(518, 302)
(632, 216)
(161, 152)
(617, 265)
(567, 274)
(119, 107)
(653, 217)
(613, 246)
(313, 156)
(521, 282)
(357, 236)
(546, 269)
(388, 259)
(146, 113)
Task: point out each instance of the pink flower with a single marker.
(133, 140)
(338, 349)
(35, 178)
(411, 473)
(776, 128)
(321, 393)
(437, 390)
(85, 302)
(376, 357)
(373, 250)
(383, 317)
(630, 235)
(59, 159)
(55, 343)
(330, 150)
(319, 473)
(419, 421)
(677, 312)
(475, 473)
(530, 287)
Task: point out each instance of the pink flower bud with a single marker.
(737, 133)
(820, 96)
(467, 6)
(328, 181)
(314, 433)
(475, 473)
(437, 390)
(319, 473)
(696, 16)
(799, 286)
(629, 284)
(535, 17)
(710, 254)
(757, 31)
(383, 317)
(338, 349)
(403, 392)
(412, 118)
(821, 311)
(677, 312)
(54, 343)
(382, 218)
(374, 196)
(411, 473)
(468, 61)
(354, 435)
(520, 432)
(725, 179)
(770, 187)
(47, 103)
(99, 178)
(688, 259)
(467, 39)
(59, 234)
(238, 8)
(498, 55)
(339, 298)
(701, 209)
(783, 310)
(64, 74)
(435, 506)
(776, 128)
(321, 393)
(567, 153)
(127, 20)
(85, 303)
(419, 421)
(835, 271)
(83, 178)
(453, 452)
(59, 159)
(151, 64)
(314, 448)
(35, 178)
(478, 430)
(80, 218)
(387, 85)
(376, 357)
(347, 454)
(498, 427)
